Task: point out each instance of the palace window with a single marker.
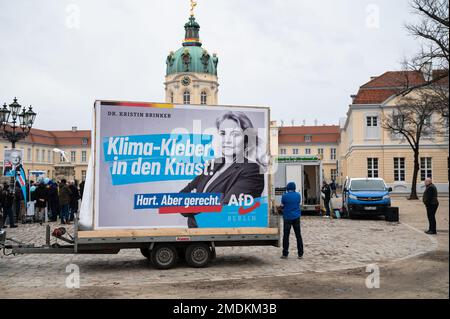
(372, 127)
(171, 97)
(283, 151)
(43, 155)
(187, 97)
(308, 138)
(333, 154)
(203, 98)
(372, 168)
(334, 174)
(308, 151)
(295, 151)
(426, 170)
(399, 169)
(83, 156)
(29, 154)
(320, 151)
(73, 156)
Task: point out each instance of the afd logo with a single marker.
(244, 201)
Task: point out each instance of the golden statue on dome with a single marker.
(193, 5)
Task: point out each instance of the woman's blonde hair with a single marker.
(252, 151)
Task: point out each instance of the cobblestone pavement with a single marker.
(330, 245)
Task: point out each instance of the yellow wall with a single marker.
(355, 147)
(199, 82)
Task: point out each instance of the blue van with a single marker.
(366, 196)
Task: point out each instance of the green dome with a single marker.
(191, 57)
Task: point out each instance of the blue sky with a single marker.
(302, 58)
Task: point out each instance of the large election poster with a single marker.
(180, 166)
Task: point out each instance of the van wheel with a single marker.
(351, 214)
(198, 255)
(145, 252)
(163, 256)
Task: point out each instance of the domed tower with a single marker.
(191, 74)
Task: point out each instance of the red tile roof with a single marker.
(319, 134)
(59, 138)
(381, 88)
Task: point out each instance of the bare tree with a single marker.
(433, 31)
(412, 120)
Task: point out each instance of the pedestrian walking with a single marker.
(326, 190)
(430, 199)
(291, 201)
(64, 201)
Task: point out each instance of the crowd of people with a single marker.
(51, 199)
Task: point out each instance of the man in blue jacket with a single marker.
(291, 215)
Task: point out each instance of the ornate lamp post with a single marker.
(16, 125)
(21, 122)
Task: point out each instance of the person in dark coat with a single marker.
(81, 189)
(326, 190)
(74, 197)
(53, 200)
(430, 200)
(7, 199)
(41, 196)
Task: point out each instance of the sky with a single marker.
(301, 58)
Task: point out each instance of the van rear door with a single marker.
(294, 173)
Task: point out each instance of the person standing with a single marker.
(291, 201)
(53, 200)
(430, 199)
(81, 189)
(74, 197)
(64, 201)
(41, 201)
(326, 190)
(7, 203)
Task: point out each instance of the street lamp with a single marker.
(23, 120)
(15, 130)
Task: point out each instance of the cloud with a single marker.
(301, 58)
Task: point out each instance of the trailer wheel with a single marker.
(198, 255)
(145, 252)
(163, 256)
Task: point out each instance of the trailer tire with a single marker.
(163, 256)
(198, 255)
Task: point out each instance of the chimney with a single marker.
(427, 71)
(316, 122)
(74, 128)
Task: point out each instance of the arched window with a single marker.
(171, 97)
(203, 98)
(187, 97)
